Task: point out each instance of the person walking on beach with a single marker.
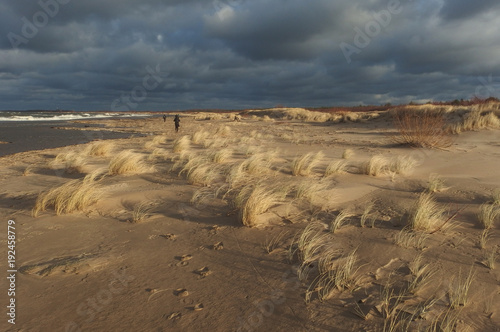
(177, 120)
(164, 118)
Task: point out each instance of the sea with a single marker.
(22, 131)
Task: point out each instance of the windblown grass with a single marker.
(340, 220)
(376, 166)
(128, 162)
(141, 211)
(73, 162)
(181, 144)
(435, 184)
(75, 195)
(200, 136)
(348, 154)
(304, 165)
(410, 239)
(157, 140)
(254, 200)
(425, 213)
(487, 215)
(220, 156)
(459, 289)
(100, 148)
(336, 167)
(476, 120)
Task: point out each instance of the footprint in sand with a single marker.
(218, 246)
(203, 272)
(174, 316)
(183, 260)
(198, 307)
(181, 292)
(169, 236)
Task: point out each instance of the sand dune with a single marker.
(287, 220)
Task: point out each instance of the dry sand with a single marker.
(195, 267)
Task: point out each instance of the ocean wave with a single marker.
(41, 116)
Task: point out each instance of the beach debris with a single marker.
(203, 272)
(182, 292)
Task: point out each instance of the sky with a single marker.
(159, 55)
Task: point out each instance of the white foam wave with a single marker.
(65, 117)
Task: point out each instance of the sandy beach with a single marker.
(266, 220)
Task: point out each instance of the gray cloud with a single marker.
(238, 54)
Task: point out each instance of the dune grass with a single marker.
(421, 274)
(200, 136)
(253, 200)
(305, 164)
(75, 195)
(487, 215)
(483, 238)
(181, 144)
(425, 213)
(220, 156)
(348, 154)
(157, 140)
(141, 211)
(459, 289)
(336, 167)
(435, 184)
(409, 239)
(100, 148)
(366, 215)
(73, 162)
(376, 166)
(128, 162)
(340, 220)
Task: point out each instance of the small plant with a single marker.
(425, 213)
(347, 154)
(459, 289)
(366, 214)
(435, 184)
(101, 148)
(376, 166)
(487, 215)
(339, 220)
(403, 165)
(421, 128)
(128, 162)
(305, 164)
(490, 259)
(340, 275)
(200, 136)
(274, 242)
(141, 211)
(336, 167)
(421, 274)
(75, 195)
(410, 239)
(181, 144)
(496, 197)
(254, 200)
(220, 156)
(483, 238)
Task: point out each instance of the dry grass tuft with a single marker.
(75, 195)
(409, 239)
(483, 239)
(366, 214)
(305, 164)
(435, 184)
(73, 162)
(340, 220)
(403, 165)
(425, 213)
(459, 289)
(274, 243)
(141, 211)
(223, 131)
(306, 189)
(487, 215)
(100, 149)
(336, 167)
(421, 274)
(421, 128)
(182, 144)
(490, 259)
(128, 162)
(254, 200)
(220, 156)
(259, 163)
(157, 140)
(347, 154)
(200, 136)
(376, 166)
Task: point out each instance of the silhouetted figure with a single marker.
(177, 120)
(164, 118)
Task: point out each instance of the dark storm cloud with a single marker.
(98, 54)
